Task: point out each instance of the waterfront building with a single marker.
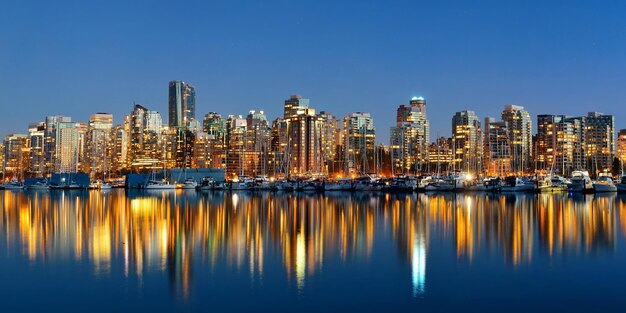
(16, 156)
(119, 149)
(467, 142)
(410, 138)
(67, 147)
(215, 127)
(36, 133)
(181, 104)
(621, 146)
(559, 148)
(360, 140)
(303, 151)
(599, 141)
(145, 137)
(50, 146)
(99, 147)
(331, 141)
(519, 131)
(441, 156)
(236, 127)
(258, 142)
(497, 151)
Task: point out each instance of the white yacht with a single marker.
(516, 184)
(552, 184)
(14, 184)
(263, 183)
(189, 183)
(441, 184)
(242, 183)
(39, 185)
(604, 184)
(159, 185)
(580, 182)
(344, 184)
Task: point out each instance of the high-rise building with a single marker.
(258, 143)
(410, 138)
(119, 153)
(467, 142)
(559, 148)
(497, 151)
(16, 156)
(236, 127)
(303, 151)
(621, 146)
(278, 148)
(215, 127)
(519, 127)
(600, 141)
(50, 145)
(181, 104)
(440, 155)
(145, 149)
(360, 143)
(99, 147)
(67, 141)
(331, 142)
(36, 132)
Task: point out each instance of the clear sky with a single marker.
(80, 57)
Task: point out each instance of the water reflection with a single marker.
(173, 232)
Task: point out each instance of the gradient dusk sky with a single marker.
(80, 57)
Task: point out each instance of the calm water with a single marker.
(186, 251)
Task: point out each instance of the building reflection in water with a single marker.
(175, 231)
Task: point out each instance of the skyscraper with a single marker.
(559, 148)
(236, 127)
(215, 127)
(16, 155)
(621, 146)
(181, 104)
(67, 147)
(50, 145)
(145, 149)
(467, 142)
(36, 132)
(257, 143)
(519, 127)
(360, 142)
(331, 141)
(497, 151)
(99, 146)
(303, 147)
(600, 141)
(410, 137)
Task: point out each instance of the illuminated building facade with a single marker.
(599, 141)
(303, 149)
(99, 147)
(410, 138)
(467, 142)
(559, 146)
(360, 141)
(497, 151)
(36, 133)
(16, 156)
(519, 131)
(181, 104)
(621, 146)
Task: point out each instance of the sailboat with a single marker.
(163, 184)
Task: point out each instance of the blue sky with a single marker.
(80, 57)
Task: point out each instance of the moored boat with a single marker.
(604, 184)
(580, 182)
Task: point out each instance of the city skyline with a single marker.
(350, 56)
